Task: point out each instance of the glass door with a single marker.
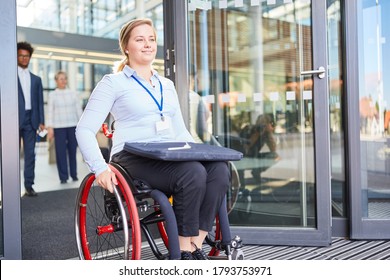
(258, 84)
(371, 189)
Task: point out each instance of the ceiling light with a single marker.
(106, 55)
(60, 50)
(54, 57)
(94, 61)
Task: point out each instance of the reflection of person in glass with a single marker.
(262, 133)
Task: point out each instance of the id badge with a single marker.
(163, 126)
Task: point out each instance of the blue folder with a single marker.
(183, 151)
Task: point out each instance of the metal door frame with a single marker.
(10, 169)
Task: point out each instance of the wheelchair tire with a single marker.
(106, 225)
(234, 188)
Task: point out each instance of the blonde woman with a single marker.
(64, 111)
(146, 108)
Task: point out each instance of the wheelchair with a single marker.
(108, 226)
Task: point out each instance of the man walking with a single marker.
(31, 114)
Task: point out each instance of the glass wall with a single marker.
(247, 59)
(99, 18)
(82, 77)
(374, 102)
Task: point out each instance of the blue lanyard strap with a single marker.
(159, 105)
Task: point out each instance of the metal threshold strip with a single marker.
(340, 249)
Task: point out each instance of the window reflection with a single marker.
(99, 18)
(249, 60)
(374, 96)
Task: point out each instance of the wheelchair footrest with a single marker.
(233, 250)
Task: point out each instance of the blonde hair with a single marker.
(124, 36)
(60, 73)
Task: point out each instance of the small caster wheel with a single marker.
(237, 254)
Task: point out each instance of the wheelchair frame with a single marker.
(108, 226)
(105, 223)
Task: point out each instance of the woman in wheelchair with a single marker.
(145, 108)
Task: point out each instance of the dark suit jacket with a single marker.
(37, 113)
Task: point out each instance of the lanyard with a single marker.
(159, 105)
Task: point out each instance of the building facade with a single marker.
(299, 86)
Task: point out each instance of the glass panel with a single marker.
(84, 76)
(246, 61)
(99, 18)
(374, 101)
(89, 68)
(335, 80)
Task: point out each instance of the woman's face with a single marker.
(61, 81)
(142, 45)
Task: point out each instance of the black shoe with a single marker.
(199, 254)
(186, 255)
(75, 179)
(63, 181)
(30, 192)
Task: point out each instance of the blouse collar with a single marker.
(128, 71)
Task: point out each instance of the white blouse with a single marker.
(137, 115)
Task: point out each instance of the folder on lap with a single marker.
(183, 151)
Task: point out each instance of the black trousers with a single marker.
(198, 188)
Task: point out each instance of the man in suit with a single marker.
(31, 114)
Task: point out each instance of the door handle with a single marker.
(320, 72)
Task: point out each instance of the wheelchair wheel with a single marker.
(107, 225)
(233, 191)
